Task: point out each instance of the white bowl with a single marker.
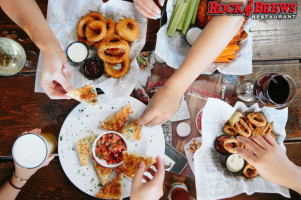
(196, 121)
(101, 161)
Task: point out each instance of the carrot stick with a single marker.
(232, 47)
(227, 52)
(221, 60)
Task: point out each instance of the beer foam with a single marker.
(29, 151)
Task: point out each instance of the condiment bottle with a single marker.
(179, 191)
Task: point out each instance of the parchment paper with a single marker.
(173, 50)
(212, 180)
(63, 16)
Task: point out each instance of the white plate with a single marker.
(84, 120)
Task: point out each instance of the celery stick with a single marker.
(189, 16)
(195, 13)
(181, 23)
(175, 9)
(177, 17)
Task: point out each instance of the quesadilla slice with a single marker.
(112, 190)
(86, 94)
(118, 120)
(132, 162)
(132, 131)
(84, 148)
(103, 173)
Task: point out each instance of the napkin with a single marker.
(173, 50)
(63, 16)
(212, 180)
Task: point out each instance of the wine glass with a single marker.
(12, 57)
(275, 90)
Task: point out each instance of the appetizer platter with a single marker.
(217, 162)
(101, 149)
(246, 125)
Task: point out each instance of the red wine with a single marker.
(278, 89)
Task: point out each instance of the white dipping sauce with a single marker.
(235, 163)
(29, 150)
(193, 34)
(77, 52)
(183, 129)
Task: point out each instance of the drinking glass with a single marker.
(275, 90)
(12, 57)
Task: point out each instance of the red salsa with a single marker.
(199, 121)
(109, 147)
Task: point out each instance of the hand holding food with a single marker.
(55, 74)
(270, 160)
(148, 8)
(153, 189)
(161, 107)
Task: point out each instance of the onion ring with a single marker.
(230, 130)
(81, 26)
(110, 25)
(244, 118)
(250, 171)
(128, 29)
(96, 15)
(231, 148)
(242, 128)
(257, 119)
(117, 73)
(258, 131)
(84, 40)
(251, 126)
(95, 30)
(114, 43)
(267, 129)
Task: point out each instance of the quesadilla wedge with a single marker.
(118, 120)
(84, 148)
(132, 131)
(132, 162)
(86, 94)
(103, 173)
(112, 190)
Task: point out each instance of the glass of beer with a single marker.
(31, 150)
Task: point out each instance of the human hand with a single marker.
(55, 74)
(267, 157)
(25, 173)
(148, 8)
(161, 107)
(153, 188)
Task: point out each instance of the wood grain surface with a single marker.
(276, 41)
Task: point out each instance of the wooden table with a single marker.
(276, 48)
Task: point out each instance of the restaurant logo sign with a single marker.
(255, 9)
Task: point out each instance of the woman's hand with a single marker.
(270, 160)
(25, 173)
(148, 8)
(55, 75)
(153, 188)
(161, 107)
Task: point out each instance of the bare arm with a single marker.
(55, 72)
(212, 41)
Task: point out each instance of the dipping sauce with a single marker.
(183, 129)
(93, 68)
(235, 163)
(109, 148)
(199, 121)
(219, 144)
(77, 52)
(192, 34)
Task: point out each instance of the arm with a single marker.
(271, 161)
(55, 72)
(7, 191)
(211, 42)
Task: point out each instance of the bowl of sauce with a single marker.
(77, 52)
(93, 68)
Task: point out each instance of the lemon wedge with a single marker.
(234, 118)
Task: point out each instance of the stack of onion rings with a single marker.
(247, 126)
(114, 50)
